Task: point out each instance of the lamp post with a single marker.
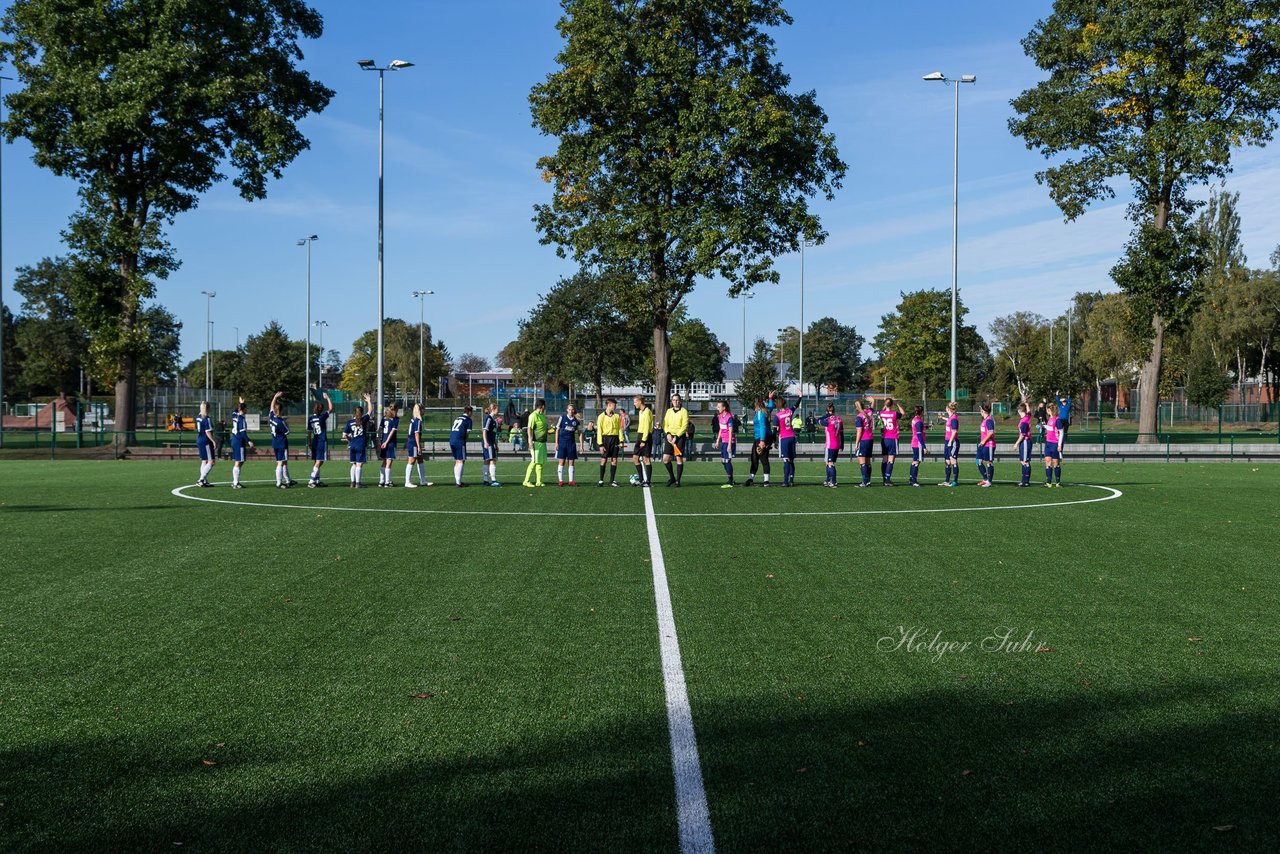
(208, 343)
(370, 65)
(237, 329)
(422, 326)
(2, 78)
(320, 325)
(744, 298)
(955, 209)
(306, 390)
(803, 244)
(782, 377)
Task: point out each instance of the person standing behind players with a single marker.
(987, 447)
(1024, 442)
(567, 426)
(413, 450)
(240, 442)
(761, 440)
(609, 435)
(787, 442)
(642, 455)
(951, 447)
(834, 426)
(458, 443)
(918, 448)
(357, 435)
(206, 444)
(726, 439)
(489, 446)
(1054, 439)
(675, 427)
(280, 442)
(318, 438)
(537, 432)
(864, 433)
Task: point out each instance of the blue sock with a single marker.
(1057, 474)
(888, 471)
(866, 472)
(991, 472)
(1026, 473)
(728, 469)
(982, 470)
(915, 470)
(833, 475)
(1048, 474)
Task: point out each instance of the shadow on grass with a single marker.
(951, 769)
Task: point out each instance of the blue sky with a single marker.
(461, 182)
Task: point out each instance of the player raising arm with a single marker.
(206, 444)
(834, 426)
(318, 438)
(1053, 441)
(864, 434)
(280, 442)
(890, 419)
(787, 441)
(357, 435)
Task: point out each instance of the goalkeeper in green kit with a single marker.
(537, 443)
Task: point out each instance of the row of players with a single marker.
(773, 424)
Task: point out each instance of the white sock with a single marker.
(279, 475)
(766, 477)
(560, 473)
(235, 474)
(315, 473)
(422, 475)
(493, 472)
(353, 474)
(457, 472)
(204, 470)
(408, 472)
(571, 473)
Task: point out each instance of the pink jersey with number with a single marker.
(917, 432)
(1051, 431)
(835, 432)
(724, 421)
(785, 430)
(953, 428)
(867, 420)
(889, 417)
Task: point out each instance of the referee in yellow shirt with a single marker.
(609, 435)
(643, 454)
(675, 424)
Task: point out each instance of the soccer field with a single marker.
(1090, 667)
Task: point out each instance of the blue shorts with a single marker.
(1024, 451)
(787, 448)
(1052, 451)
(359, 456)
(917, 454)
(727, 450)
(281, 451)
(490, 453)
(411, 449)
(205, 450)
(832, 453)
(865, 447)
(889, 447)
(951, 450)
(238, 452)
(459, 451)
(984, 453)
(320, 452)
(566, 451)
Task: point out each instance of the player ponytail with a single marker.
(417, 411)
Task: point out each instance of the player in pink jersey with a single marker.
(726, 438)
(1024, 442)
(787, 442)
(834, 426)
(951, 447)
(1053, 441)
(864, 435)
(890, 420)
(986, 455)
(918, 448)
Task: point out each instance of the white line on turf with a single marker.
(180, 492)
(692, 815)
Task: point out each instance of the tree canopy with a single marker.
(914, 343)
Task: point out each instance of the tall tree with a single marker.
(145, 104)
(914, 344)
(697, 355)
(832, 354)
(226, 369)
(1158, 92)
(682, 154)
(1108, 348)
(158, 361)
(53, 343)
(272, 363)
(1017, 340)
(400, 356)
(471, 363)
(759, 375)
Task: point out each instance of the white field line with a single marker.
(692, 815)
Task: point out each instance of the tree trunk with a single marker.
(1149, 385)
(599, 394)
(126, 399)
(661, 367)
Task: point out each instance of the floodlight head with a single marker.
(936, 75)
(399, 63)
(314, 237)
(366, 64)
(302, 241)
(968, 78)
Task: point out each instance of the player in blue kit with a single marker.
(206, 444)
(458, 443)
(318, 438)
(413, 450)
(489, 446)
(357, 435)
(240, 443)
(567, 427)
(280, 441)
(387, 443)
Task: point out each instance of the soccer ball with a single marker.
(634, 479)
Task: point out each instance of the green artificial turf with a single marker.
(234, 676)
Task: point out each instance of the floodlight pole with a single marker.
(320, 325)
(744, 298)
(422, 327)
(370, 65)
(2, 144)
(955, 211)
(208, 343)
(306, 390)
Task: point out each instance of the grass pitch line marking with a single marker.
(692, 815)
